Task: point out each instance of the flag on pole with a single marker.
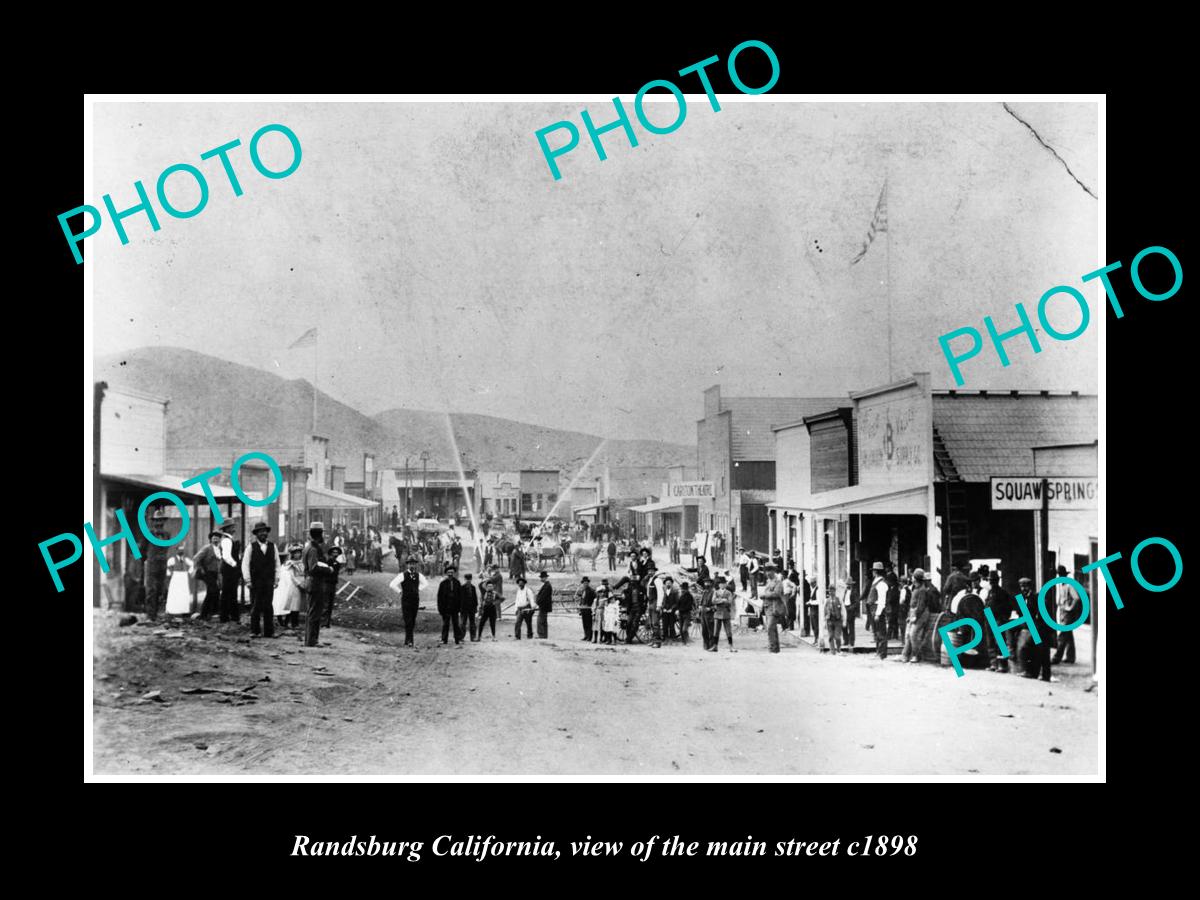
(308, 339)
(878, 224)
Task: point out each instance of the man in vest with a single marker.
(408, 585)
(230, 573)
(585, 597)
(260, 571)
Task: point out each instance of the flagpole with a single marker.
(888, 276)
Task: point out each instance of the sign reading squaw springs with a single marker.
(1028, 493)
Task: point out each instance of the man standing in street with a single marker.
(922, 608)
(230, 573)
(773, 609)
(706, 608)
(468, 607)
(1002, 605)
(585, 597)
(208, 568)
(722, 613)
(487, 609)
(813, 604)
(545, 602)
(1034, 657)
(1066, 604)
(612, 555)
(683, 610)
(449, 604)
(523, 607)
(155, 569)
(743, 562)
(408, 585)
(260, 571)
(320, 579)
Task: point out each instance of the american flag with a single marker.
(878, 224)
(308, 339)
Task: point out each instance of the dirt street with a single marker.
(363, 704)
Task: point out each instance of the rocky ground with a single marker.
(183, 698)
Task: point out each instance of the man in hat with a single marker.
(230, 574)
(208, 569)
(320, 576)
(545, 602)
(1034, 657)
(743, 563)
(1066, 611)
(260, 571)
(468, 607)
(523, 607)
(922, 608)
(874, 600)
(850, 604)
(487, 609)
(683, 611)
(155, 569)
(1003, 607)
(705, 608)
(449, 604)
(408, 585)
(585, 597)
(774, 610)
(497, 581)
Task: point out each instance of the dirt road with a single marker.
(363, 704)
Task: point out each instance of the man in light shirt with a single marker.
(523, 608)
(408, 584)
(878, 598)
(230, 573)
(1066, 603)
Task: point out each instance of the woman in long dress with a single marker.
(612, 619)
(288, 600)
(179, 588)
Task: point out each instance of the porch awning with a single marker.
(325, 498)
(174, 484)
(863, 499)
(658, 506)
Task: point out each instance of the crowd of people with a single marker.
(641, 605)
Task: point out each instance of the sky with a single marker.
(446, 269)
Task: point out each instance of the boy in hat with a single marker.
(260, 571)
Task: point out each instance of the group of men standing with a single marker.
(465, 608)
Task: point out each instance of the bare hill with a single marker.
(218, 408)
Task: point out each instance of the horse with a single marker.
(554, 552)
(583, 551)
(504, 548)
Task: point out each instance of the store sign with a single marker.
(895, 439)
(690, 489)
(442, 484)
(1028, 493)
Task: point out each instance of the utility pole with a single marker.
(425, 479)
(407, 490)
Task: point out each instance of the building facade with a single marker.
(735, 449)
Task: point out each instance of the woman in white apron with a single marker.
(179, 587)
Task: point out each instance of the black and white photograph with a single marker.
(459, 437)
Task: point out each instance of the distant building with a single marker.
(499, 493)
(736, 452)
(539, 492)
